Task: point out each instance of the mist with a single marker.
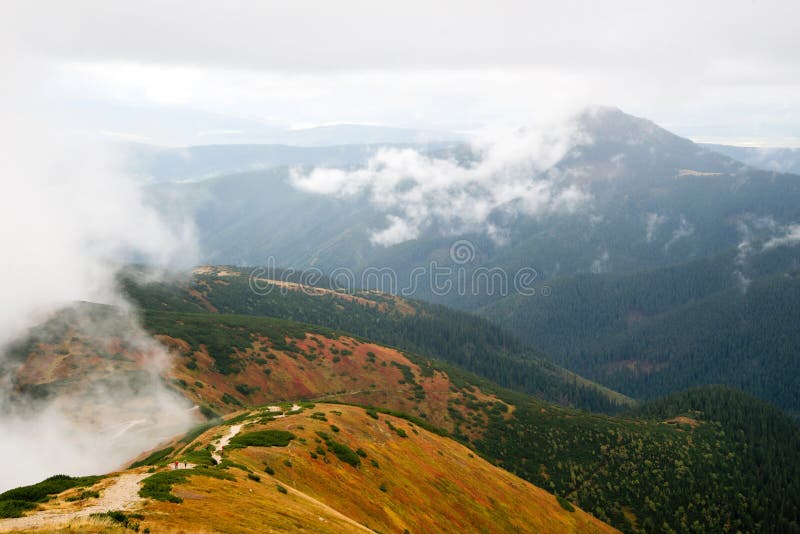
(69, 217)
(506, 173)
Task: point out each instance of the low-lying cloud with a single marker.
(68, 217)
(510, 174)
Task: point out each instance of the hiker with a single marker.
(176, 465)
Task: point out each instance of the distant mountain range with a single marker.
(774, 159)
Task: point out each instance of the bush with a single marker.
(268, 470)
(361, 452)
(335, 428)
(154, 458)
(281, 489)
(344, 453)
(14, 508)
(15, 501)
(565, 504)
(254, 477)
(130, 521)
(263, 438)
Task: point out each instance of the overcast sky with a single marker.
(725, 70)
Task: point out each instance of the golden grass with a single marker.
(422, 483)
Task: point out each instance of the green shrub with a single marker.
(263, 438)
(254, 477)
(130, 521)
(361, 452)
(153, 458)
(281, 489)
(268, 470)
(565, 504)
(15, 508)
(344, 453)
(335, 428)
(15, 501)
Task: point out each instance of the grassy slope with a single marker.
(428, 482)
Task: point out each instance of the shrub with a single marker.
(281, 489)
(254, 477)
(15, 501)
(130, 521)
(154, 458)
(565, 504)
(344, 453)
(268, 470)
(263, 438)
(361, 452)
(335, 428)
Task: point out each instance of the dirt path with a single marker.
(223, 442)
(122, 494)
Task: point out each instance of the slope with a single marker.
(331, 468)
(456, 337)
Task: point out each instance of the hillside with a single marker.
(636, 472)
(652, 333)
(328, 468)
(469, 342)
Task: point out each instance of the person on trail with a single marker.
(176, 465)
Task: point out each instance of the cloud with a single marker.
(652, 223)
(684, 229)
(509, 174)
(790, 237)
(68, 217)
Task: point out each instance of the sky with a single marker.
(193, 72)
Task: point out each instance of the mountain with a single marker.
(322, 468)
(727, 319)
(655, 199)
(774, 159)
(713, 458)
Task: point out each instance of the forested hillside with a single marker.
(647, 334)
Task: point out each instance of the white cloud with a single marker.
(684, 229)
(68, 215)
(790, 237)
(652, 223)
(512, 173)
